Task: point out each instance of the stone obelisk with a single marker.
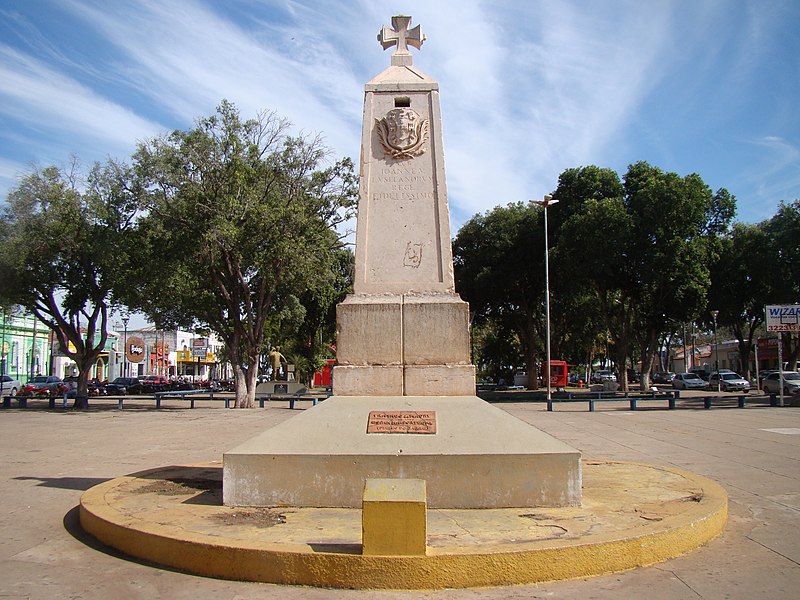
(404, 331)
(404, 403)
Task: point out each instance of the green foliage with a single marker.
(56, 257)
(498, 265)
(310, 338)
(756, 265)
(240, 233)
(497, 353)
(783, 232)
(628, 257)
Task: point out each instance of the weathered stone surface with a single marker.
(368, 380)
(403, 229)
(480, 456)
(435, 330)
(369, 330)
(438, 380)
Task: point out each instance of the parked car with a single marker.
(9, 386)
(181, 384)
(601, 376)
(728, 381)
(700, 372)
(663, 377)
(154, 383)
(688, 381)
(122, 386)
(763, 374)
(791, 382)
(97, 387)
(44, 385)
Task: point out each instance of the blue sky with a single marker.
(528, 88)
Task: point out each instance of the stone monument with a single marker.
(404, 403)
(404, 331)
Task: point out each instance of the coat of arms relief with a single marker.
(402, 133)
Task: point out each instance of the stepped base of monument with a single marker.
(632, 515)
(478, 457)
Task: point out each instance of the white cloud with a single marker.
(34, 93)
(187, 58)
(528, 89)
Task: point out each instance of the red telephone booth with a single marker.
(559, 373)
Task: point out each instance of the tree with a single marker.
(743, 281)
(241, 222)
(592, 243)
(587, 228)
(313, 338)
(56, 258)
(630, 259)
(499, 269)
(783, 231)
(677, 223)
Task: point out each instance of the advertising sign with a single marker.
(134, 350)
(199, 347)
(783, 317)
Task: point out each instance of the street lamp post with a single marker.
(125, 319)
(714, 314)
(548, 201)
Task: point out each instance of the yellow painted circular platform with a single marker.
(632, 515)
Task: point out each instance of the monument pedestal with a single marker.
(478, 457)
(403, 345)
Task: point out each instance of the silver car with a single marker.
(601, 376)
(688, 381)
(9, 386)
(772, 382)
(728, 381)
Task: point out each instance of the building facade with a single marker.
(152, 351)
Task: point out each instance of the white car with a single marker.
(9, 386)
(688, 381)
(601, 376)
(772, 382)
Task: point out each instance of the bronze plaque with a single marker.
(402, 421)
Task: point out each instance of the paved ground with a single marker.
(49, 458)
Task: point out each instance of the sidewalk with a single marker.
(50, 457)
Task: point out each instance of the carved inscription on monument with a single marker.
(402, 421)
(413, 257)
(400, 182)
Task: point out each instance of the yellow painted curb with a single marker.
(211, 554)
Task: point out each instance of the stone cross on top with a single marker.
(401, 36)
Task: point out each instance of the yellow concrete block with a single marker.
(394, 517)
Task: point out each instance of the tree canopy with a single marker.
(240, 222)
(56, 257)
(629, 258)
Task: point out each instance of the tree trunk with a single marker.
(246, 382)
(530, 356)
(82, 393)
(648, 358)
(245, 394)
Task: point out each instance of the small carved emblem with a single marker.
(402, 133)
(413, 256)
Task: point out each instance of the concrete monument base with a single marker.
(633, 515)
(478, 457)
